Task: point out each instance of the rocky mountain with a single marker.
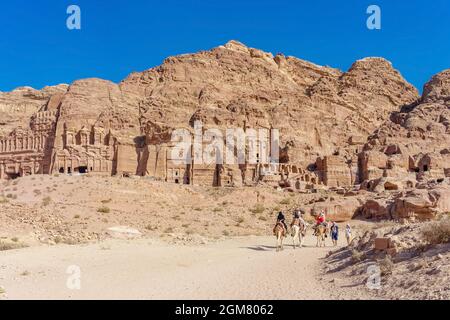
(317, 109)
(421, 127)
(16, 107)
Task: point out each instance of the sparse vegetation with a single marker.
(437, 232)
(259, 208)
(218, 209)
(46, 201)
(226, 233)
(104, 209)
(168, 230)
(240, 220)
(285, 201)
(357, 256)
(11, 245)
(386, 265)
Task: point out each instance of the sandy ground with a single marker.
(237, 268)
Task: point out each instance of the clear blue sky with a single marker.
(118, 37)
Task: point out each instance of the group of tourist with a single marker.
(332, 226)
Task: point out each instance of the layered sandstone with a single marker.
(324, 116)
(19, 105)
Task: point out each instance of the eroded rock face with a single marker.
(316, 108)
(322, 113)
(18, 106)
(410, 152)
(336, 210)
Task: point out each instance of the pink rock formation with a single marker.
(366, 126)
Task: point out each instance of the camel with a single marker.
(320, 233)
(298, 227)
(280, 232)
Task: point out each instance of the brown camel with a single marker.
(321, 231)
(280, 232)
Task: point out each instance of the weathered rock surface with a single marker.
(366, 128)
(17, 106)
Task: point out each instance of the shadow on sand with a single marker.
(270, 248)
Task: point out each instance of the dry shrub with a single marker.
(437, 232)
(104, 209)
(46, 201)
(357, 256)
(386, 265)
(259, 208)
(11, 245)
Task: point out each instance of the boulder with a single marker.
(422, 203)
(340, 210)
(123, 232)
(376, 209)
(382, 243)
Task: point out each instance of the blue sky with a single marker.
(119, 37)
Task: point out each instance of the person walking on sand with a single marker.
(348, 234)
(334, 233)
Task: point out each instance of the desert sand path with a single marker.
(239, 268)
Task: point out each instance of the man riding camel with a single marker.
(282, 219)
(320, 220)
(298, 215)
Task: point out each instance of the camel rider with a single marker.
(320, 218)
(299, 221)
(297, 215)
(281, 219)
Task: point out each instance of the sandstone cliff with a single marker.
(316, 108)
(17, 107)
(96, 125)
